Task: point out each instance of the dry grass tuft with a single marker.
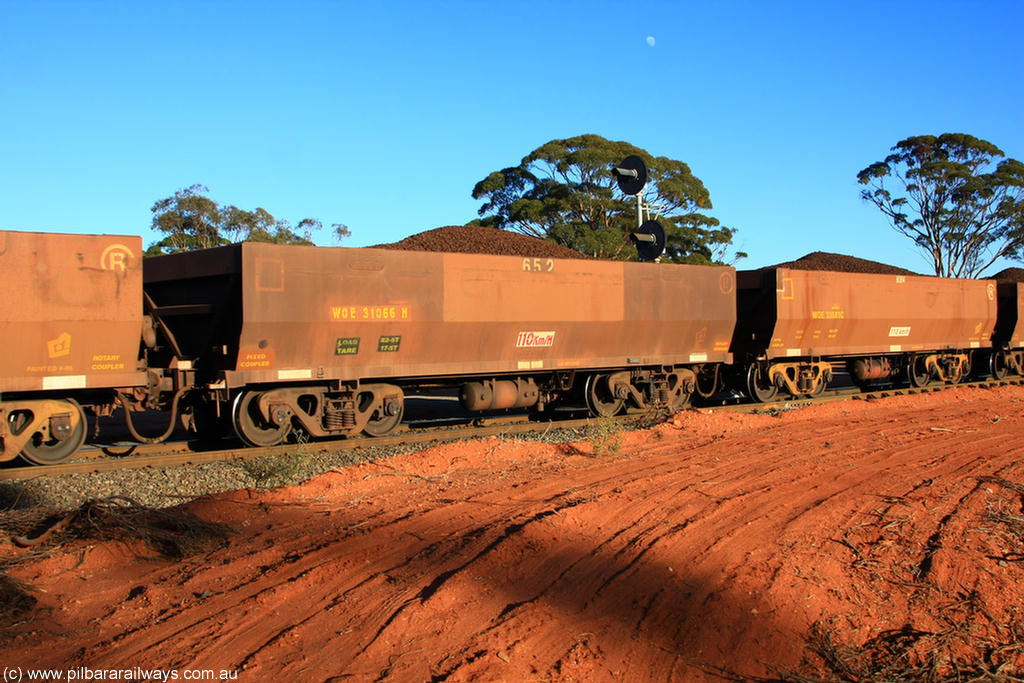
(958, 633)
(171, 533)
(911, 655)
(15, 600)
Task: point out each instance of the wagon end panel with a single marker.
(74, 305)
(680, 312)
(1009, 331)
(195, 301)
(756, 312)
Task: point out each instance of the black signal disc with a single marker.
(635, 177)
(647, 248)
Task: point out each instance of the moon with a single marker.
(650, 40)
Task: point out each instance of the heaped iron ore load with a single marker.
(841, 263)
(337, 336)
(470, 239)
(269, 342)
(1009, 275)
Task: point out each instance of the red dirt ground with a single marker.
(713, 542)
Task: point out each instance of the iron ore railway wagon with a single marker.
(795, 325)
(267, 340)
(271, 339)
(329, 340)
(71, 325)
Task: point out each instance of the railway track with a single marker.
(171, 454)
(96, 460)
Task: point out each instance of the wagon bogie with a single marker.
(1011, 361)
(807, 378)
(266, 416)
(650, 389)
(43, 431)
(950, 368)
(1015, 361)
(764, 379)
(673, 390)
(1001, 363)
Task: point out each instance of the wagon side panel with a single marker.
(824, 313)
(314, 313)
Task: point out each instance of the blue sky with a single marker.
(383, 116)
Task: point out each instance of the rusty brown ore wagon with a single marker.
(794, 324)
(71, 323)
(271, 339)
(331, 340)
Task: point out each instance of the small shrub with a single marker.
(606, 437)
(274, 470)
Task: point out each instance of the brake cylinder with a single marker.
(864, 369)
(498, 394)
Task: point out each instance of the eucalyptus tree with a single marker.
(955, 196)
(564, 191)
(189, 220)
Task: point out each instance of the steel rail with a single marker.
(183, 453)
(157, 455)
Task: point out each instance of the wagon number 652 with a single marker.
(536, 265)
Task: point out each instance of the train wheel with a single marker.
(51, 449)
(600, 399)
(997, 365)
(956, 375)
(386, 418)
(918, 373)
(251, 426)
(679, 397)
(757, 388)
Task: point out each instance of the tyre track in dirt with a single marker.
(712, 541)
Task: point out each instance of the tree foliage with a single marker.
(564, 191)
(191, 220)
(953, 197)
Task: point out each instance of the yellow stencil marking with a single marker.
(116, 257)
(61, 346)
(358, 312)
